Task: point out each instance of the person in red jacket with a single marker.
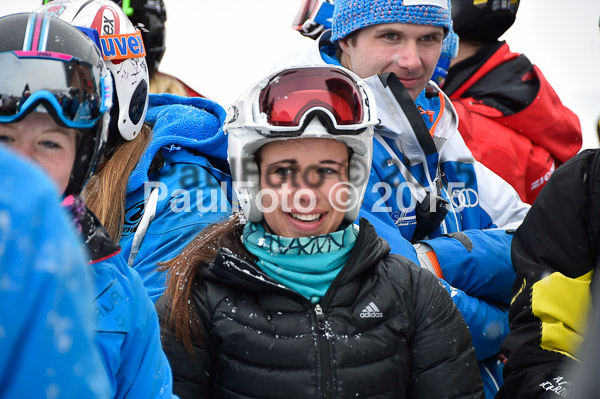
(510, 116)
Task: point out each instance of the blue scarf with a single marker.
(307, 265)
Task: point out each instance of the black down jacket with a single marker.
(385, 329)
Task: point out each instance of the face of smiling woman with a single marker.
(300, 180)
(40, 139)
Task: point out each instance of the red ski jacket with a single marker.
(511, 119)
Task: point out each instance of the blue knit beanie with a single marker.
(352, 15)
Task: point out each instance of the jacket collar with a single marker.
(229, 269)
(97, 242)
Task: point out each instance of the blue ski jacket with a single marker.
(180, 186)
(126, 325)
(472, 242)
(46, 330)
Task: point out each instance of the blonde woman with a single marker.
(163, 177)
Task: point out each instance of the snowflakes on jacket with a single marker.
(382, 330)
(46, 340)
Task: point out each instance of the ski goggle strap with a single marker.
(74, 92)
(289, 97)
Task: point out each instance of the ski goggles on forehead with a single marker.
(74, 92)
(288, 101)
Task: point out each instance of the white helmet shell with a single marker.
(130, 75)
(246, 136)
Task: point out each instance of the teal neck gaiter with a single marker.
(306, 265)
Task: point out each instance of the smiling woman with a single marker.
(303, 186)
(292, 299)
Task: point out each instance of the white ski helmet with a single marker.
(301, 102)
(123, 51)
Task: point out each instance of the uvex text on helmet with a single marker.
(123, 51)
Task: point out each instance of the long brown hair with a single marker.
(184, 271)
(106, 192)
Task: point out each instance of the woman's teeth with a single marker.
(306, 218)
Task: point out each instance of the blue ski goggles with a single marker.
(75, 93)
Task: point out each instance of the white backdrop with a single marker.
(220, 47)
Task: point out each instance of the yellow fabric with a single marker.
(520, 290)
(562, 304)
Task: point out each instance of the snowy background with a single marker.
(220, 47)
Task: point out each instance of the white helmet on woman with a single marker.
(302, 102)
(123, 52)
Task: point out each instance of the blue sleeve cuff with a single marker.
(477, 262)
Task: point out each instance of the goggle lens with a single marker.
(71, 89)
(290, 95)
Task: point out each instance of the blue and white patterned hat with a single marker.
(352, 15)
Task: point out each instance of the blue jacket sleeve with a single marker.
(46, 341)
(477, 262)
(487, 323)
(128, 334)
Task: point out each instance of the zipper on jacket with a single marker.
(445, 188)
(324, 350)
(324, 353)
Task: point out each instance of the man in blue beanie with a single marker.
(425, 187)
(383, 36)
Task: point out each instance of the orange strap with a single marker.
(434, 262)
(430, 114)
(442, 106)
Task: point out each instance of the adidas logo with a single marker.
(371, 311)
